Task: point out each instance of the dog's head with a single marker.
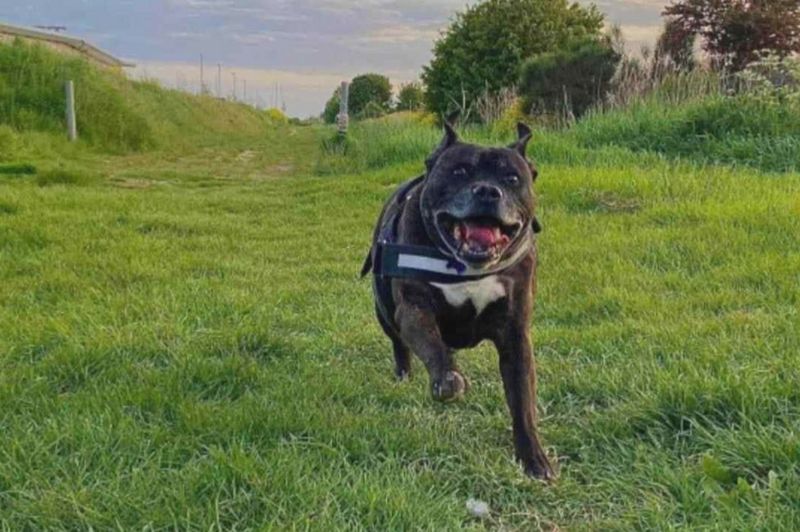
(478, 202)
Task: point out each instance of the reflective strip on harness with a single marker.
(424, 263)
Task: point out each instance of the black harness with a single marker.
(423, 263)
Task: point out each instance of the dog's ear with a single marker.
(524, 135)
(450, 138)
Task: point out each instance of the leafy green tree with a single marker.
(485, 46)
(735, 31)
(570, 80)
(369, 88)
(411, 97)
(332, 107)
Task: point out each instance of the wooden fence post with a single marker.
(72, 127)
(343, 119)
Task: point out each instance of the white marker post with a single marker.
(343, 119)
(72, 126)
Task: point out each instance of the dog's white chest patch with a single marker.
(481, 293)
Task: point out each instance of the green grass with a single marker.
(185, 344)
(743, 130)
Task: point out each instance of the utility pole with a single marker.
(234, 85)
(202, 78)
(245, 92)
(219, 80)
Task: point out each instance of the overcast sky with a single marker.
(302, 47)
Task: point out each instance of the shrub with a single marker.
(772, 78)
(369, 89)
(411, 97)
(276, 116)
(485, 46)
(372, 110)
(568, 81)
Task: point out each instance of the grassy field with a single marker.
(185, 343)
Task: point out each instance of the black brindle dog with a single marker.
(454, 262)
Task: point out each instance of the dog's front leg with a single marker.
(420, 332)
(519, 380)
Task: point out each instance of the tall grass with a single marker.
(738, 130)
(32, 98)
(114, 114)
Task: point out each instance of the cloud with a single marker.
(254, 38)
(203, 4)
(403, 33)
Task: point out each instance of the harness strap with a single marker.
(423, 263)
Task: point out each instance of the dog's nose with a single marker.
(487, 192)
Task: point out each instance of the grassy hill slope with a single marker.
(115, 115)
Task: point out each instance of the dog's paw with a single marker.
(449, 388)
(539, 468)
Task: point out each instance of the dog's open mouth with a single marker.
(477, 239)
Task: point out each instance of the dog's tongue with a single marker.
(485, 235)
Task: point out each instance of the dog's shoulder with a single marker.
(392, 209)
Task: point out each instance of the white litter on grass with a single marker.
(478, 508)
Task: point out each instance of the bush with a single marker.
(276, 116)
(372, 110)
(486, 45)
(369, 89)
(772, 78)
(569, 81)
(332, 107)
(411, 97)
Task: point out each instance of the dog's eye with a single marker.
(512, 179)
(460, 172)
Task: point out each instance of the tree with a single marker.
(332, 107)
(570, 80)
(735, 31)
(675, 47)
(411, 97)
(369, 88)
(484, 47)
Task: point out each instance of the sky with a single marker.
(290, 53)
